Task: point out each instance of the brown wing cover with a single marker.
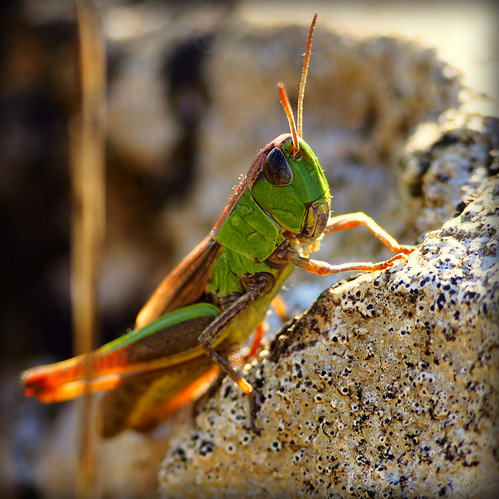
(184, 285)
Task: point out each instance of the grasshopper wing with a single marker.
(184, 285)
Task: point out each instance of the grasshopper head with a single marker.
(286, 179)
(289, 184)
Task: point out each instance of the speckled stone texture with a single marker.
(388, 385)
(358, 397)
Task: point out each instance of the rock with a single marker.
(445, 162)
(386, 387)
(350, 422)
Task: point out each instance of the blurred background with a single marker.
(192, 98)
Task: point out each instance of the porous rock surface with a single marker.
(358, 397)
(388, 385)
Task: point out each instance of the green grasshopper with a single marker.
(219, 294)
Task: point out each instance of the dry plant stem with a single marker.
(87, 150)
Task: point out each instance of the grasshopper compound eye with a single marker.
(276, 169)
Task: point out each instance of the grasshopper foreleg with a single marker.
(351, 220)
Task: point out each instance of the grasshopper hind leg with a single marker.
(143, 402)
(255, 285)
(145, 398)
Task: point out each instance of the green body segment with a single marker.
(248, 230)
(225, 280)
(288, 205)
(250, 234)
(230, 265)
(248, 320)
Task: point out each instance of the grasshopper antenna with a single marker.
(289, 113)
(304, 74)
(298, 131)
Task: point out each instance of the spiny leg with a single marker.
(351, 220)
(323, 268)
(255, 285)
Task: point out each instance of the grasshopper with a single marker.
(220, 293)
